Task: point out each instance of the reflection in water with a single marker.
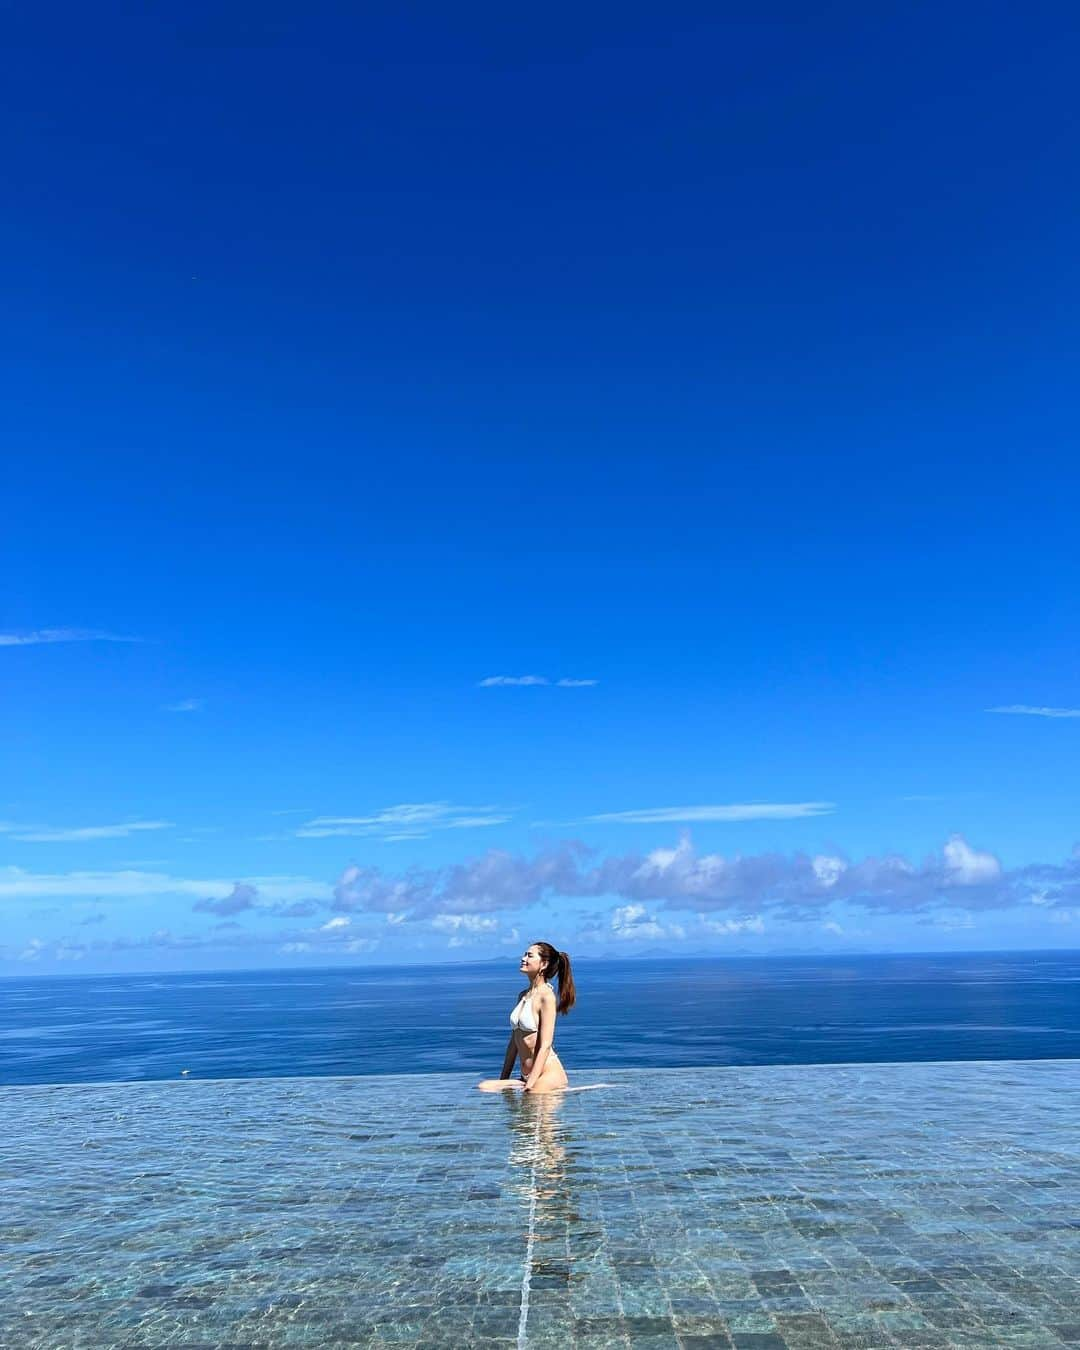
(553, 1179)
(542, 1162)
(538, 1143)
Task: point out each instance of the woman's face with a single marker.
(532, 963)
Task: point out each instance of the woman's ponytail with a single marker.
(567, 992)
(557, 967)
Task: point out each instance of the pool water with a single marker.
(757, 1208)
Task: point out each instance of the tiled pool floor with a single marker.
(858, 1206)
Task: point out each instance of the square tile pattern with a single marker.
(751, 1208)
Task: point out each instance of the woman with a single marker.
(533, 1023)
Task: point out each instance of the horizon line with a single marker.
(495, 960)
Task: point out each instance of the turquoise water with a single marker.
(755, 1208)
(637, 1014)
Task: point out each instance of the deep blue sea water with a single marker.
(631, 1013)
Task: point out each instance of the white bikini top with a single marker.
(523, 1018)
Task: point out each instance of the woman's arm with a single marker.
(544, 1036)
(511, 1055)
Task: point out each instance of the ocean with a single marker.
(631, 1014)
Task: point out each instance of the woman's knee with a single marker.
(497, 1084)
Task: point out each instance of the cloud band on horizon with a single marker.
(793, 886)
(702, 895)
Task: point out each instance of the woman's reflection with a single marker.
(548, 1179)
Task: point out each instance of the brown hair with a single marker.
(557, 967)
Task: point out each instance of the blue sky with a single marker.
(477, 476)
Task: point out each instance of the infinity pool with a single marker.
(760, 1208)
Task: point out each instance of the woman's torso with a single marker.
(525, 1021)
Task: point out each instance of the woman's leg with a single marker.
(550, 1083)
(499, 1084)
(554, 1078)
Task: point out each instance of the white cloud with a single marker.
(16, 883)
(949, 921)
(967, 866)
(464, 923)
(62, 950)
(626, 918)
(1026, 710)
(244, 896)
(40, 635)
(828, 870)
(753, 924)
(633, 923)
(737, 811)
(48, 834)
(339, 921)
(186, 705)
(462, 927)
(504, 681)
(495, 681)
(241, 897)
(409, 820)
(848, 933)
